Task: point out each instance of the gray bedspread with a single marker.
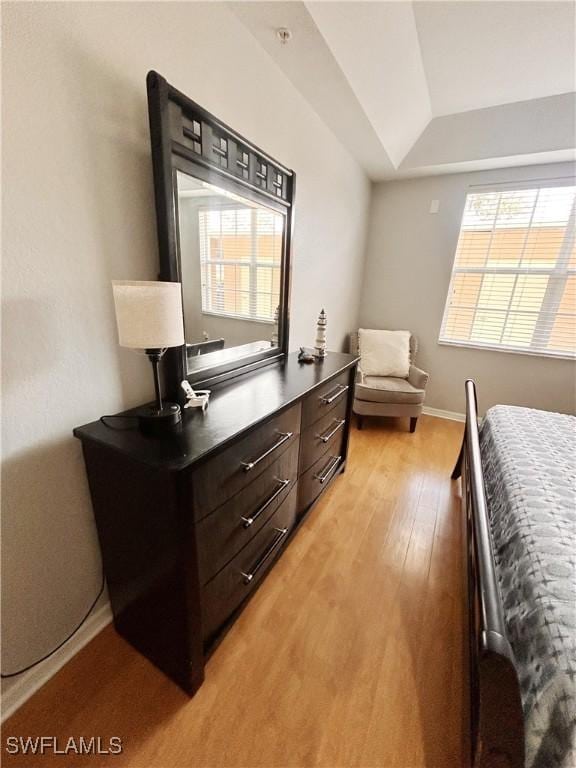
(529, 471)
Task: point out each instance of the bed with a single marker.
(519, 500)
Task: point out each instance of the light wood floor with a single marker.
(351, 653)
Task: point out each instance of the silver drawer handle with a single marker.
(327, 399)
(328, 469)
(325, 438)
(248, 521)
(248, 465)
(275, 544)
(221, 152)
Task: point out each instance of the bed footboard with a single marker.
(496, 719)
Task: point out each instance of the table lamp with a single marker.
(149, 318)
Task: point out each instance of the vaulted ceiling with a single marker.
(412, 88)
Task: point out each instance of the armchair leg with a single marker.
(413, 420)
(359, 420)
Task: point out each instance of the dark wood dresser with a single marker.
(190, 524)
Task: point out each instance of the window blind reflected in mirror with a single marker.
(240, 256)
(231, 265)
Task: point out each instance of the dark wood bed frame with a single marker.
(496, 719)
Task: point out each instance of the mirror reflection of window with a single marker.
(240, 257)
(231, 263)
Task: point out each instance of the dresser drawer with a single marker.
(325, 398)
(225, 531)
(219, 478)
(229, 588)
(316, 439)
(313, 482)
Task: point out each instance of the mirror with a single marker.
(231, 264)
(224, 219)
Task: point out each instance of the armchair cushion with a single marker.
(389, 389)
(354, 350)
(384, 353)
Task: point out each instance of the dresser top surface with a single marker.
(235, 406)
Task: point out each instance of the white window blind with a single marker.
(240, 261)
(513, 284)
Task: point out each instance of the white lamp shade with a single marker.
(148, 314)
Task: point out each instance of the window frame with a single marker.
(253, 264)
(557, 276)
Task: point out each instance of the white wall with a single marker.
(540, 127)
(409, 260)
(78, 211)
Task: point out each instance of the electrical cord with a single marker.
(103, 585)
(119, 429)
(53, 651)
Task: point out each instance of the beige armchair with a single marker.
(387, 395)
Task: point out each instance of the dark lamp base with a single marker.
(158, 423)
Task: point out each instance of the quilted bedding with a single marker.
(529, 461)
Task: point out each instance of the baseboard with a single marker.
(29, 682)
(439, 413)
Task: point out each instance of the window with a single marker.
(513, 284)
(240, 261)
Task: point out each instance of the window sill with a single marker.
(238, 317)
(510, 350)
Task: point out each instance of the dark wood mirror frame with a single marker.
(185, 137)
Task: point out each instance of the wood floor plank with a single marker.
(350, 654)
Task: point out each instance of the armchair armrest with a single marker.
(417, 377)
(359, 376)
